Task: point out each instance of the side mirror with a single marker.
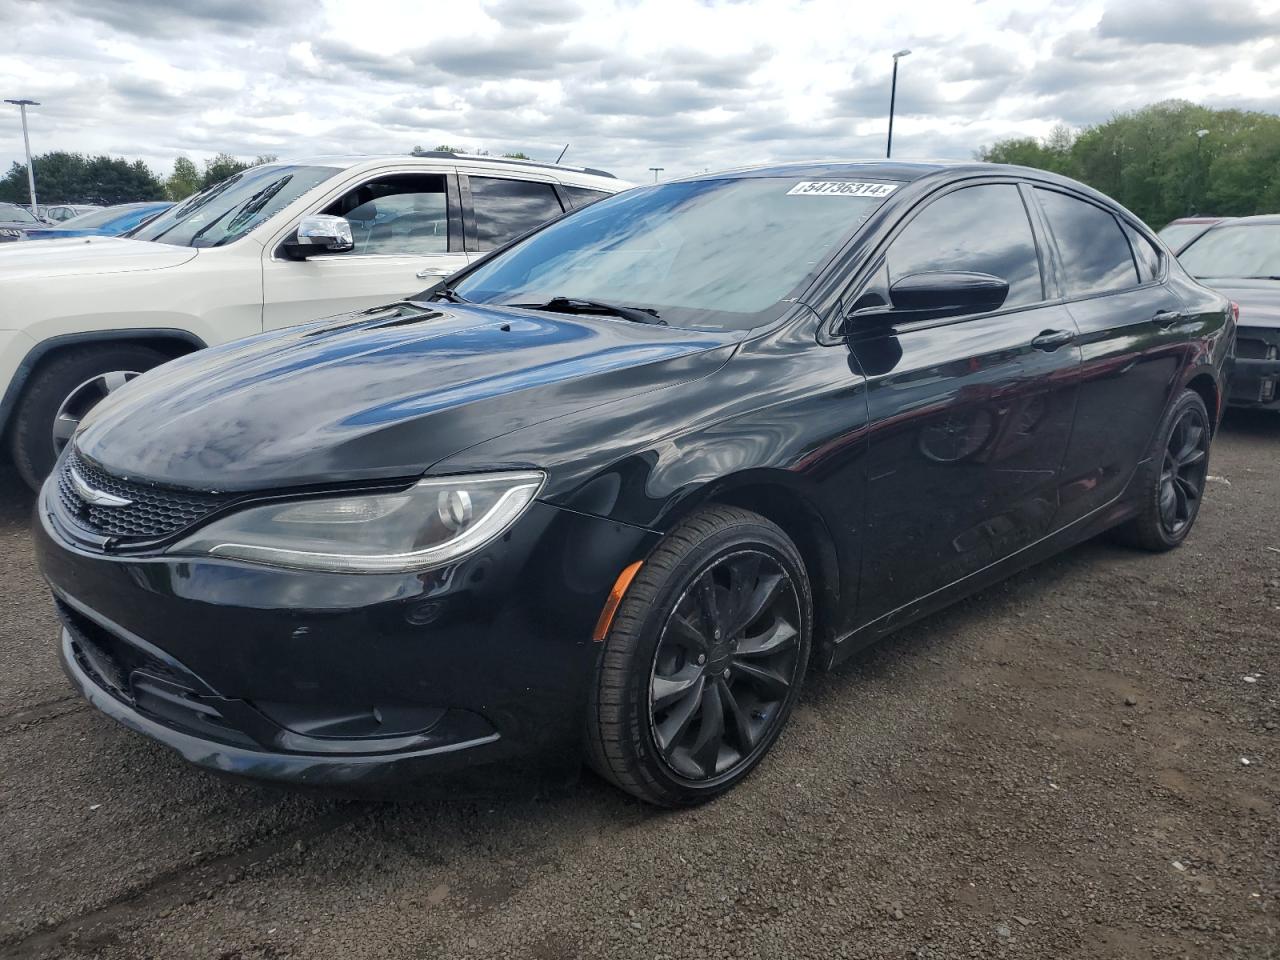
(948, 294)
(321, 233)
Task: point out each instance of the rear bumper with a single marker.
(1255, 383)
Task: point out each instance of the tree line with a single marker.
(1167, 160)
(63, 177)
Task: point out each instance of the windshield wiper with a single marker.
(449, 294)
(579, 305)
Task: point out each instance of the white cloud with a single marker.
(630, 84)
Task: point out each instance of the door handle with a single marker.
(1051, 340)
(1167, 318)
(426, 273)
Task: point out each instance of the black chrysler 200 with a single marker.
(621, 483)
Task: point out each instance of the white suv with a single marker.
(277, 244)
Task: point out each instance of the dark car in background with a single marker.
(105, 222)
(1241, 257)
(616, 485)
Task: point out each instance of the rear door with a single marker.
(407, 229)
(1131, 347)
(499, 207)
(970, 414)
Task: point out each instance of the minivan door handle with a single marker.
(1167, 318)
(1051, 340)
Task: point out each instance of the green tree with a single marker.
(1167, 160)
(184, 181)
(518, 155)
(63, 177)
(219, 168)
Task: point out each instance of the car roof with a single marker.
(1257, 220)
(443, 158)
(899, 170)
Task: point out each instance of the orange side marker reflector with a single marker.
(615, 598)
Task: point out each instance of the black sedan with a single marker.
(618, 486)
(1241, 258)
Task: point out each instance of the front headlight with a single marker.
(436, 521)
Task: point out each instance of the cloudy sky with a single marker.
(629, 84)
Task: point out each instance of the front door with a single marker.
(407, 233)
(969, 414)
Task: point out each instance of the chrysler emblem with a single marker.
(94, 497)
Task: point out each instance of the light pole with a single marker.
(656, 171)
(26, 142)
(893, 96)
(1200, 135)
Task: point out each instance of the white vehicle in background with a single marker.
(274, 245)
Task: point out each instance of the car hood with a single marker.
(79, 256)
(1259, 299)
(57, 233)
(385, 393)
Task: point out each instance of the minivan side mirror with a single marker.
(321, 233)
(930, 295)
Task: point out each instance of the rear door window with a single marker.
(1096, 256)
(1146, 253)
(504, 209)
(581, 196)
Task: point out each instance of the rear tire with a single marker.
(703, 661)
(51, 385)
(1171, 484)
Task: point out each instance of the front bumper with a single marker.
(339, 679)
(1255, 374)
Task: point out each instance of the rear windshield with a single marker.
(1176, 234)
(230, 209)
(722, 254)
(1240, 250)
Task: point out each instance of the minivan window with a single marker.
(504, 209)
(982, 229)
(1095, 252)
(581, 196)
(230, 209)
(723, 254)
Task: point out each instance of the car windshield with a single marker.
(15, 214)
(230, 209)
(703, 253)
(1239, 250)
(1176, 234)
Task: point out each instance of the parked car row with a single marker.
(606, 487)
(91, 222)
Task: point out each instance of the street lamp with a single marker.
(893, 95)
(26, 142)
(656, 171)
(1200, 135)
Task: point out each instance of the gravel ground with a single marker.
(1054, 768)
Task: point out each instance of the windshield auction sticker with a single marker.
(841, 188)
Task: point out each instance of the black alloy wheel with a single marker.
(703, 661)
(1182, 477)
(725, 664)
(1169, 487)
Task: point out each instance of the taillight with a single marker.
(1235, 311)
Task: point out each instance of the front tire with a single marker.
(61, 391)
(1172, 482)
(703, 661)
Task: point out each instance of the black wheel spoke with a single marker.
(1189, 491)
(709, 605)
(705, 749)
(770, 683)
(1168, 501)
(782, 636)
(668, 690)
(686, 634)
(673, 726)
(766, 591)
(744, 572)
(1191, 435)
(1192, 458)
(739, 719)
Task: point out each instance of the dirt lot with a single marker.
(1055, 768)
